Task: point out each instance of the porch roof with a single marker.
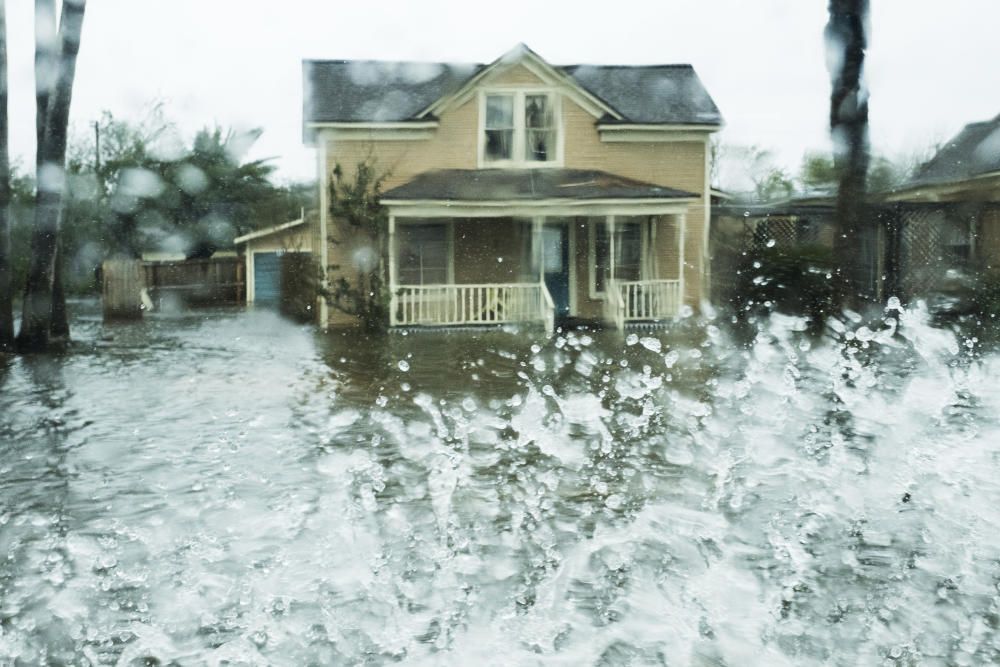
(528, 185)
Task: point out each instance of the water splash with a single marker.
(506, 498)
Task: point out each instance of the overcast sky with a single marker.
(933, 66)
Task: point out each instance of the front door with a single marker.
(555, 265)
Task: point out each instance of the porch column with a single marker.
(392, 270)
(611, 249)
(537, 252)
(681, 235)
(650, 268)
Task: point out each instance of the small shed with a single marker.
(264, 253)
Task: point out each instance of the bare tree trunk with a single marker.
(846, 40)
(42, 299)
(6, 295)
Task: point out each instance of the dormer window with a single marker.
(499, 127)
(520, 129)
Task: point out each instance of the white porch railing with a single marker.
(454, 305)
(641, 301)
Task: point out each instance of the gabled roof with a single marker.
(975, 151)
(378, 91)
(524, 185)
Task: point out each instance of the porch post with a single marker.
(392, 270)
(611, 248)
(537, 253)
(651, 269)
(682, 233)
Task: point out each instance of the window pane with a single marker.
(423, 254)
(499, 144)
(539, 145)
(499, 112)
(552, 249)
(628, 250)
(536, 112)
(539, 139)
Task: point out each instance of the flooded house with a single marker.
(519, 191)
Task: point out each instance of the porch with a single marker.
(507, 246)
(543, 269)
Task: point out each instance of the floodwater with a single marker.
(227, 488)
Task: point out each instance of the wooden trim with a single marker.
(682, 236)
(657, 127)
(375, 125)
(277, 229)
(365, 134)
(547, 207)
(654, 133)
(571, 258)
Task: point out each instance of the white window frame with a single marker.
(449, 227)
(518, 159)
(610, 222)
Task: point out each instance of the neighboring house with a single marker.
(519, 190)
(943, 223)
(742, 230)
(948, 214)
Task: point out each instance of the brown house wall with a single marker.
(488, 251)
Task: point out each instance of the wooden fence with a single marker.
(122, 283)
(130, 286)
(197, 282)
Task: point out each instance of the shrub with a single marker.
(792, 280)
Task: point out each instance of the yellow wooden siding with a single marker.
(453, 146)
(518, 75)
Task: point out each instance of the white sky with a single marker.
(932, 66)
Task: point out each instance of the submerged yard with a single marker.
(229, 488)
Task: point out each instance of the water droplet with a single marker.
(403, 365)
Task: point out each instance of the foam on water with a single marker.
(238, 490)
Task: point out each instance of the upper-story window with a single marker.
(519, 129)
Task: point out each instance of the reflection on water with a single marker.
(229, 488)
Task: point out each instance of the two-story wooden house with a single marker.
(521, 191)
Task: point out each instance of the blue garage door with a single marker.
(266, 278)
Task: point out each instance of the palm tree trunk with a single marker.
(43, 300)
(846, 43)
(6, 295)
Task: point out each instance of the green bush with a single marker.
(790, 280)
(972, 303)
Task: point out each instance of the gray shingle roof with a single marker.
(367, 90)
(972, 152)
(372, 90)
(650, 94)
(527, 185)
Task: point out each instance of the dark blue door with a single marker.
(555, 263)
(267, 278)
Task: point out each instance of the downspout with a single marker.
(324, 240)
